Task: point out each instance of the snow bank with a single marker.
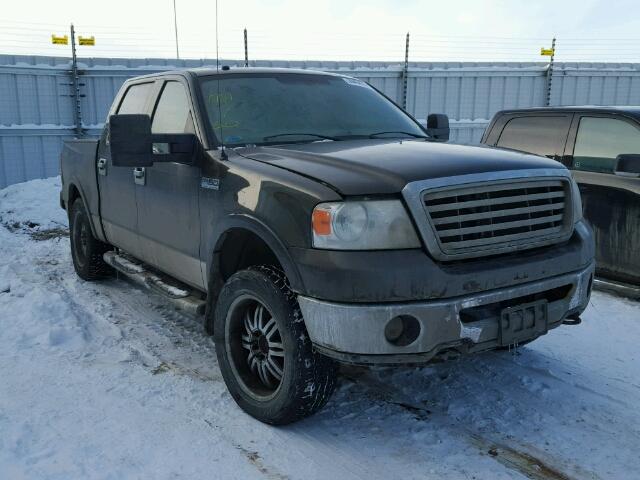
(32, 206)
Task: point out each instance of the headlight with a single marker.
(577, 201)
(363, 225)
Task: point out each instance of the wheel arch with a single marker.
(247, 223)
(231, 235)
(74, 191)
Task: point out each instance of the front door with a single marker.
(167, 193)
(611, 202)
(117, 188)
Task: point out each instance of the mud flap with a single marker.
(523, 322)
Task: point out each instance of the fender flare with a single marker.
(260, 229)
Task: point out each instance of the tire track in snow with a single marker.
(524, 463)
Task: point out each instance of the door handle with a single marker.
(102, 166)
(139, 175)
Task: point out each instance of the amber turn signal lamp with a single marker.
(321, 220)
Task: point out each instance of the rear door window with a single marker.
(541, 135)
(135, 99)
(600, 140)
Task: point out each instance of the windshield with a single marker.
(276, 108)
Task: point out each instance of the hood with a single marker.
(361, 167)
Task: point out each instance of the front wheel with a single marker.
(265, 355)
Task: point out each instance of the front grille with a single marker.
(508, 214)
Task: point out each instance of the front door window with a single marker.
(600, 140)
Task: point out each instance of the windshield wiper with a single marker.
(324, 137)
(415, 135)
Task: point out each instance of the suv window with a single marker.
(544, 135)
(172, 114)
(135, 99)
(600, 140)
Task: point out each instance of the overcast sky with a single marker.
(340, 29)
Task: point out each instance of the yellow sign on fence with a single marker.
(87, 40)
(56, 40)
(547, 52)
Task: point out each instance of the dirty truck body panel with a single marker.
(453, 285)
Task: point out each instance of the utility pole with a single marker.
(405, 73)
(550, 71)
(75, 74)
(175, 27)
(75, 84)
(246, 49)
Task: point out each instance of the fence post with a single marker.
(75, 85)
(246, 49)
(405, 73)
(550, 72)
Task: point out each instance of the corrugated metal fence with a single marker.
(36, 106)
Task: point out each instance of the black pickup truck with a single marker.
(312, 221)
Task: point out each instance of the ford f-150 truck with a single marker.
(312, 221)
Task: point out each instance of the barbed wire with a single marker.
(25, 38)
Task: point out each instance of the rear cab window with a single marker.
(600, 140)
(543, 135)
(135, 99)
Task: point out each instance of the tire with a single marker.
(278, 344)
(86, 250)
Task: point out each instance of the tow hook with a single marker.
(572, 320)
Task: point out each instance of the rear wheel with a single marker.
(86, 250)
(265, 355)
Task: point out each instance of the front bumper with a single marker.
(354, 332)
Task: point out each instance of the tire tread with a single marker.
(317, 378)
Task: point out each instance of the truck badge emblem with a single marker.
(210, 183)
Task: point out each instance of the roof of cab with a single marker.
(223, 70)
(627, 109)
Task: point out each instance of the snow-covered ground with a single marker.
(102, 380)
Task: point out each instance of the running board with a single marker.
(622, 289)
(182, 296)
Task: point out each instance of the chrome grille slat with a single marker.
(502, 200)
(501, 215)
(515, 236)
(497, 213)
(495, 188)
(499, 226)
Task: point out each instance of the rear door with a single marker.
(168, 211)
(543, 134)
(118, 208)
(611, 202)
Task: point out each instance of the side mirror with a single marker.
(130, 140)
(438, 126)
(133, 144)
(627, 165)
